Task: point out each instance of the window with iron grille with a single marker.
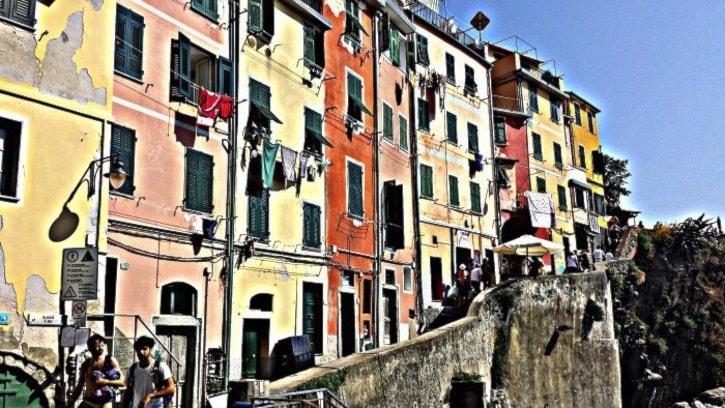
(199, 181)
(128, 56)
(123, 143)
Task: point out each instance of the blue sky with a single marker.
(656, 69)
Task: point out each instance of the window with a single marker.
(561, 193)
(258, 218)
(10, 131)
(423, 115)
(353, 27)
(355, 105)
(450, 68)
(311, 225)
(597, 162)
(582, 157)
(355, 189)
(394, 215)
(499, 130)
(541, 184)
(472, 137)
(192, 68)
(577, 114)
(470, 84)
(18, 11)
(390, 277)
(426, 181)
(208, 7)
(599, 207)
(262, 302)
(454, 200)
(123, 142)
(502, 177)
(314, 50)
(536, 142)
(178, 298)
(558, 161)
(590, 120)
(533, 98)
(394, 46)
(475, 197)
(388, 122)
(129, 42)
(579, 198)
(421, 50)
(199, 181)
(403, 122)
(407, 279)
(313, 133)
(554, 109)
(260, 19)
(260, 115)
(452, 127)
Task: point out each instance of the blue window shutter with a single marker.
(135, 45)
(184, 66)
(226, 77)
(254, 20)
(120, 57)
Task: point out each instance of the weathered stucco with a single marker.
(531, 331)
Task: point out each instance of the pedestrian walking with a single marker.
(100, 375)
(150, 383)
(598, 254)
(572, 263)
(476, 275)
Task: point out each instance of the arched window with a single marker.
(262, 301)
(178, 298)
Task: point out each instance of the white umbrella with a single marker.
(528, 245)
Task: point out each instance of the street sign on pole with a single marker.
(80, 274)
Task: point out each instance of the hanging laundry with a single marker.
(213, 105)
(268, 161)
(195, 223)
(479, 162)
(209, 227)
(541, 209)
(303, 165)
(289, 158)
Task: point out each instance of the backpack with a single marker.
(168, 400)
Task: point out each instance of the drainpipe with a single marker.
(496, 187)
(377, 237)
(231, 192)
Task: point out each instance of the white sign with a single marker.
(79, 309)
(464, 239)
(80, 274)
(38, 319)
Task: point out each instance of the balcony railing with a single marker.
(506, 103)
(447, 25)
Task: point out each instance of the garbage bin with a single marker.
(291, 355)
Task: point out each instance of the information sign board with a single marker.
(80, 274)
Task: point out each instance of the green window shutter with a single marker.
(558, 162)
(475, 197)
(426, 181)
(422, 49)
(423, 118)
(20, 11)
(226, 76)
(258, 212)
(388, 123)
(309, 45)
(452, 126)
(184, 66)
(453, 185)
(135, 54)
(538, 154)
(311, 221)
(450, 68)
(394, 46)
(355, 107)
(472, 137)
(470, 82)
(561, 193)
(354, 189)
(410, 53)
(199, 181)
(123, 143)
(582, 157)
(129, 42)
(500, 131)
(254, 18)
(403, 133)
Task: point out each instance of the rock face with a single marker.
(670, 310)
(533, 341)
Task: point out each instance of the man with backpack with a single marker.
(149, 383)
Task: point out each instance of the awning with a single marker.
(580, 184)
(266, 112)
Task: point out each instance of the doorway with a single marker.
(347, 323)
(255, 347)
(181, 341)
(390, 316)
(436, 278)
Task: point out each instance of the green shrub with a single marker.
(594, 311)
(460, 375)
(644, 242)
(615, 280)
(688, 323)
(659, 345)
(666, 300)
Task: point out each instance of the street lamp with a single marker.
(67, 222)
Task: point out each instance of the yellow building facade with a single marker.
(55, 92)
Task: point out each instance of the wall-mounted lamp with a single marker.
(67, 221)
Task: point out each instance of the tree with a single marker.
(616, 177)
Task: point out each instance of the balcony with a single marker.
(446, 25)
(506, 103)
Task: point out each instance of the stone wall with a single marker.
(528, 337)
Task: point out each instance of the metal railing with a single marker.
(506, 103)
(447, 25)
(320, 397)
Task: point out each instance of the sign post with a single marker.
(80, 274)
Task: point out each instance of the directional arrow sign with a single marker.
(80, 274)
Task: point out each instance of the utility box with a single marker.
(291, 355)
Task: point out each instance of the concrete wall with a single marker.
(511, 330)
